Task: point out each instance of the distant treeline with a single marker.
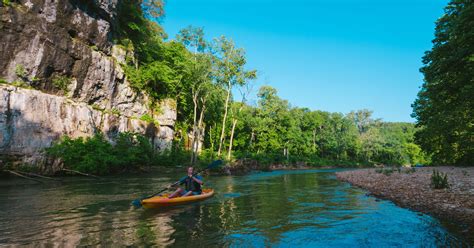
(286, 134)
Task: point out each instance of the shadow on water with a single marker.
(281, 208)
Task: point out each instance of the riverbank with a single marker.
(244, 166)
(412, 189)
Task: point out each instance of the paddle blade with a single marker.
(137, 203)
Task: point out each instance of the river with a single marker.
(309, 208)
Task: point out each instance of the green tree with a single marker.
(362, 119)
(444, 108)
(153, 8)
(229, 71)
(245, 90)
(271, 110)
(199, 80)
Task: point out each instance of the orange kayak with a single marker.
(163, 201)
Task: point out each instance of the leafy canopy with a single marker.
(444, 108)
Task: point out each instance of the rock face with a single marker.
(41, 40)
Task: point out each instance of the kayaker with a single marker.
(192, 185)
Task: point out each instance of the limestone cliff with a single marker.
(41, 40)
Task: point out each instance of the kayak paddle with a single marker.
(138, 202)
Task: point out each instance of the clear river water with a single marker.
(307, 208)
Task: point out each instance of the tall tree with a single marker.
(362, 119)
(271, 120)
(311, 124)
(153, 8)
(244, 92)
(230, 71)
(199, 78)
(444, 108)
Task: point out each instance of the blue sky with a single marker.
(331, 55)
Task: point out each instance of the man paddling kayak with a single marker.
(192, 185)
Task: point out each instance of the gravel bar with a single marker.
(411, 188)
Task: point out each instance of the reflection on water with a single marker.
(283, 208)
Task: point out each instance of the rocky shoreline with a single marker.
(411, 188)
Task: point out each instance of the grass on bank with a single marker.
(439, 180)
